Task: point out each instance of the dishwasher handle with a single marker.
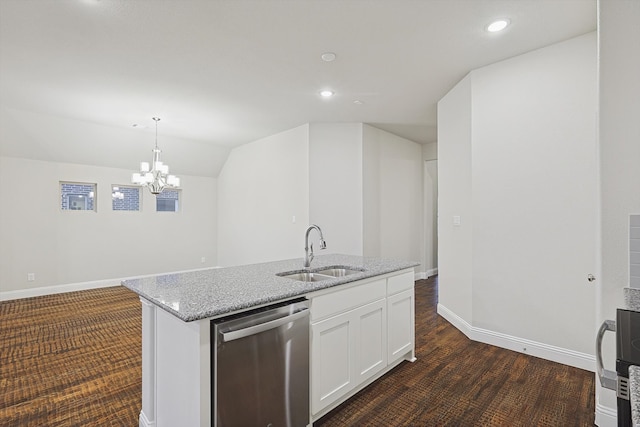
(256, 329)
(608, 379)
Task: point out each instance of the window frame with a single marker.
(128, 186)
(178, 200)
(67, 195)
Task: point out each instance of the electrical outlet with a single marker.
(203, 260)
(31, 277)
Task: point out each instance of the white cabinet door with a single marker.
(400, 318)
(331, 360)
(371, 340)
(346, 350)
(372, 326)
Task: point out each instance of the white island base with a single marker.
(359, 331)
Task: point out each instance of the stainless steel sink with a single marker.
(339, 271)
(305, 276)
(316, 276)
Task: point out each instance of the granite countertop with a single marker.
(218, 291)
(632, 301)
(634, 389)
(632, 298)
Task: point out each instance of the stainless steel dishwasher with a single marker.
(260, 367)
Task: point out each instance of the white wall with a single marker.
(430, 209)
(244, 216)
(534, 195)
(323, 173)
(430, 263)
(392, 198)
(72, 247)
(261, 187)
(619, 142)
(430, 151)
(335, 185)
(454, 199)
(524, 184)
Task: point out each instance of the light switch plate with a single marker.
(456, 220)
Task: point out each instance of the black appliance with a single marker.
(627, 328)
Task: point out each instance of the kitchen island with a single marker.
(177, 310)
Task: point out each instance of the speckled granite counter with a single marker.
(214, 292)
(634, 388)
(632, 298)
(632, 301)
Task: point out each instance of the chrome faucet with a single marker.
(308, 250)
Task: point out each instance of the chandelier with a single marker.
(155, 176)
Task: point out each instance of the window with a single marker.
(167, 201)
(77, 196)
(125, 198)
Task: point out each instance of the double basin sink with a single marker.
(319, 275)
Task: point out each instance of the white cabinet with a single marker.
(331, 372)
(370, 340)
(400, 320)
(349, 346)
(400, 316)
(358, 333)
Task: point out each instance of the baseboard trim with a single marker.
(426, 274)
(521, 345)
(57, 289)
(73, 287)
(605, 416)
(144, 422)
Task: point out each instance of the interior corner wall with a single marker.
(454, 201)
(619, 142)
(517, 167)
(392, 196)
(430, 151)
(76, 247)
(262, 186)
(335, 185)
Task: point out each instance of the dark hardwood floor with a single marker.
(459, 382)
(71, 359)
(74, 360)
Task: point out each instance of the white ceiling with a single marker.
(227, 72)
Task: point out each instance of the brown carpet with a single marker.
(74, 360)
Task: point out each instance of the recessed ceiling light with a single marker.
(327, 93)
(328, 56)
(497, 25)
